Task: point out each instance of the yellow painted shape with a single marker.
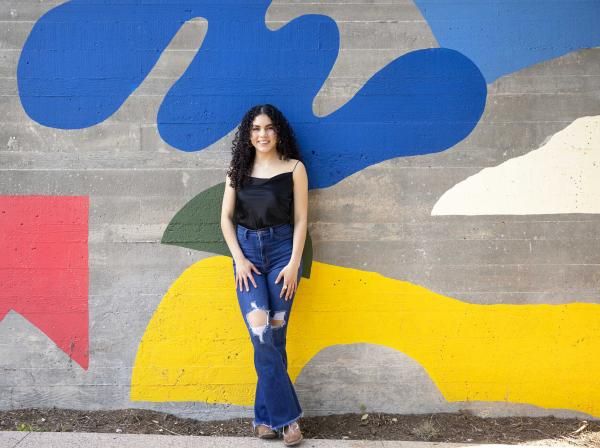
(196, 346)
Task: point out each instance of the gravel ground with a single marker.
(440, 427)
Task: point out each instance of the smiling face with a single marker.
(263, 135)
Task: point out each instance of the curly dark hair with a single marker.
(242, 151)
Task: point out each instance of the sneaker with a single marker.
(264, 432)
(292, 434)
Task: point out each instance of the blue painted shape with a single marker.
(84, 58)
(421, 103)
(285, 68)
(503, 36)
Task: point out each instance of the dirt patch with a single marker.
(441, 427)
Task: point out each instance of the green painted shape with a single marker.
(198, 226)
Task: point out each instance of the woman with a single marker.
(264, 220)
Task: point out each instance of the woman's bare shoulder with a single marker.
(292, 163)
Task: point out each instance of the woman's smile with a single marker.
(263, 135)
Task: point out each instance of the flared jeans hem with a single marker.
(277, 427)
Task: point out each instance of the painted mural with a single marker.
(408, 95)
(402, 176)
(44, 262)
(563, 176)
(197, 328)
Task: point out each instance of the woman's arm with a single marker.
(290, 271)
(300, 212)
(244, 267)
(227, 225)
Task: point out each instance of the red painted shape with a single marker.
(44, 267)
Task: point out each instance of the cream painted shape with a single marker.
(562, 176)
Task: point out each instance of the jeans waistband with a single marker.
(262, 232)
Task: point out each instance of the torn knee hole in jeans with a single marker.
(278, 320)
(258, 320)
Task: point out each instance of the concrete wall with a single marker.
(453, 206)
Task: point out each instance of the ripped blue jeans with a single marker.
(266, 316)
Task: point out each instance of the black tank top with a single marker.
(265, 202)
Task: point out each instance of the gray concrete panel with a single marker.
(376, 220)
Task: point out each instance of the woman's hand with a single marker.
(243, 272)
(290, 280)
